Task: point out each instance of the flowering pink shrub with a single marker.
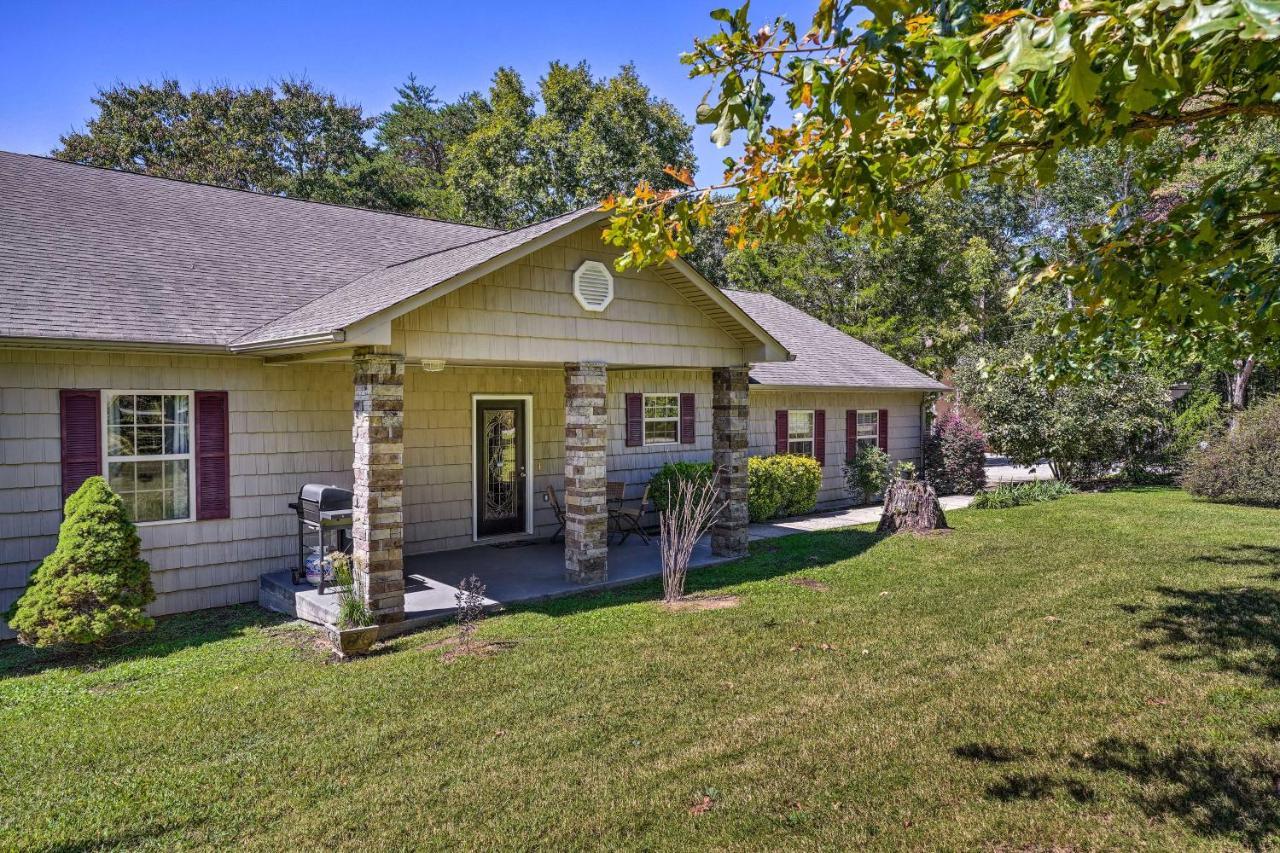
(954, 456)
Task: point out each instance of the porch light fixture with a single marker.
(433, 365)
(593, 286)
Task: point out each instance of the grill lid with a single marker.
(325, 498)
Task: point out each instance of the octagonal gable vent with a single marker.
(593, 286)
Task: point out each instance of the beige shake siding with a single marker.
(904, 427)
(287, 426)
(526, 312)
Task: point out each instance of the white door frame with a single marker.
(530, 467)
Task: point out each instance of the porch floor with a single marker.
(513, 574)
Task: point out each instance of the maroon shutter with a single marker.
(81, 418)
(884, 430)
(688, 431)
(820, 436)
(213, 456)
(780, 431)
(635, 420)
(850, 434)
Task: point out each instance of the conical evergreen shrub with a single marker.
(94, 584)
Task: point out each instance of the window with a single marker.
(800, 432)
(148, 448)
(868, 429)
(661, 418)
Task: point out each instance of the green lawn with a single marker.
(1101, 671)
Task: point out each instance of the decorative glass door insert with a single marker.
(500, 467)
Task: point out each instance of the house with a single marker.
(211, 350)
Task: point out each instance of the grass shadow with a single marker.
(172, 634)
(1205, 789)
(768, 559)
(1213, 793)
(1236, 629)
(1262, 556)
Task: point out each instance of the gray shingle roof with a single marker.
(825, 357)
(385, 288)
(95, 254)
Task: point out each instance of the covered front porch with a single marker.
(529, 572)
(413, 588)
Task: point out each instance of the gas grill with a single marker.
(324, 526)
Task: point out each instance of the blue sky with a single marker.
(54, 56)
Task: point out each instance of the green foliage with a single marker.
(1199, 419)
(1242, 466)
(94, 584)
(496, 158)
(1018, 494)
(782, 485)
(846, 121)
(592, 137)
(955, 456)
(1082, 428)
(921, 296)
(867, 474)
(667, 480)
(353, 610)
(295, 140)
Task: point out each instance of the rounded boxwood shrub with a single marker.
(1241, 466)
(955, 456)
(664, 483)
(94, 584)
(786, 484)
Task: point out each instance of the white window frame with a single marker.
(190, 455)
(813, 432)
(858, 438)
(644, 417)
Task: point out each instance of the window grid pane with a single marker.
(141, 427)
(800, 426)
(661, 418)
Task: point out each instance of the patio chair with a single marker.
(554, 500)
(630, 519)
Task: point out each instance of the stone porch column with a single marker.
(586, 519)
(377, 529)
(729, 410)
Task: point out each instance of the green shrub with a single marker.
(1243, 466)
(1083, 428)
(668, 479)
(1019, 494)
(786, 484)
(955, 456)
(94, 584)
(1199, 419)
(868, 474)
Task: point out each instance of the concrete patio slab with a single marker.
(517, 573)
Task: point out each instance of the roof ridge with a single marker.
(255, 193)
(485, 238)
(568, 217)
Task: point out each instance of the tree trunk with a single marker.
(911, 505)
(1238, 389)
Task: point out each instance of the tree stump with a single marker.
(911, 505)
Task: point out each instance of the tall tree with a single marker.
(932, 92)
(297, 140)
(408, 172)
(591, 138)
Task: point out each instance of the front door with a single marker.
(500, 467)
